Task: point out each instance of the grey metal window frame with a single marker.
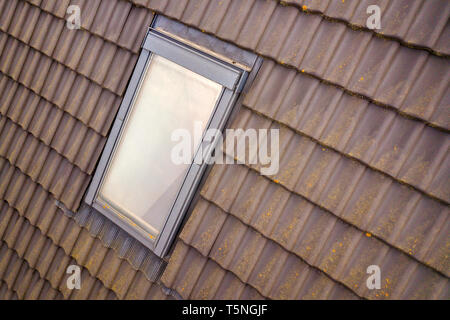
(231, 77)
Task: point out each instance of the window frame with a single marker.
(231, 77)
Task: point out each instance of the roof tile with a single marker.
(158, 5)
(316, 173)
(133, 31)
(317, 113)
(70, 47)
(347, 55)
(268, 268)
(341, 185)
(428, 89)
(246, 205)
(424, 225)
(255, 23)
(443, 45)
(394, 147)
(47, 42)
(399, 77)
(247, 254)
(321, 48)
(103, 16)
(194, 11)
(109, 268)
(235, 17)
(373, 66)
(367, 194)
(119, 69)
(425, 159)
(91, 54)
(123, 279)
(201, 231)
(296, 101)
(88, 10)
(228, 241)
(275, 33)
(22, 26)
(189, 272)
(209, 281)
(291, 221)
(230, 288)
(213, 16)
(139, 287)
(7, 13)
(370, 129)
(431, 21)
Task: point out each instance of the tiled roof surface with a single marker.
(364, 162)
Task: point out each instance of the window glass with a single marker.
(141, 181)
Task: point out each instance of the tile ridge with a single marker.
(353, 26)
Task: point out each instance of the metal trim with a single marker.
(190, 58)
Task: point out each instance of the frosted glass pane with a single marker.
(141, 180)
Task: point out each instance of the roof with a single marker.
(364, 161)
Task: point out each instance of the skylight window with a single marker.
(174, 86)
(171, 97)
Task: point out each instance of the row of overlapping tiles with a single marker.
(219, 257)
(418, 22)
